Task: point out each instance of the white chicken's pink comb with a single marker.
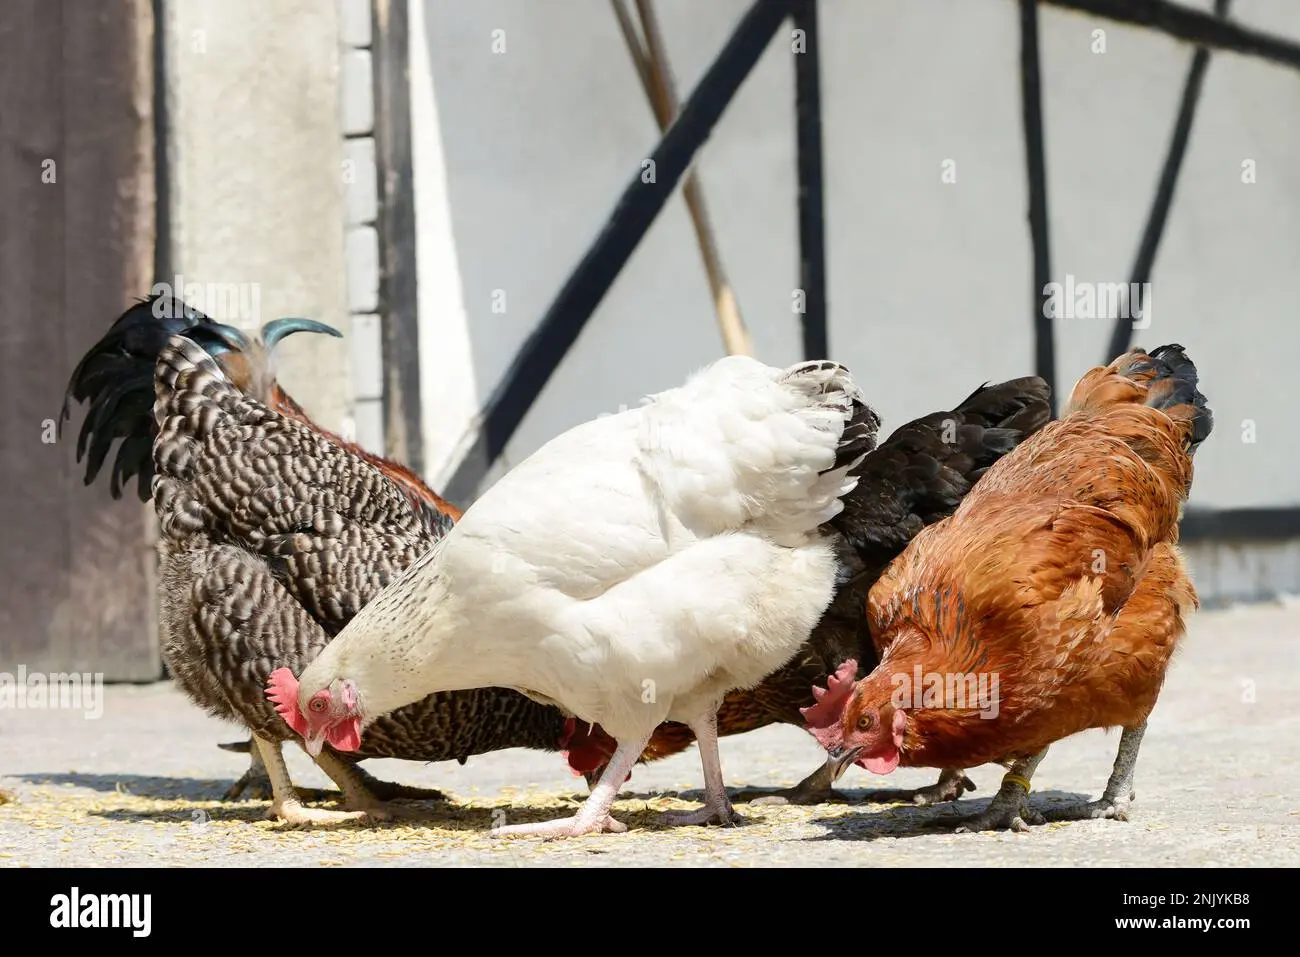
(282, 691)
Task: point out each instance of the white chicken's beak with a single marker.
(315, 743)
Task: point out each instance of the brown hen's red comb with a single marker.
(282, 691)
(823, 718)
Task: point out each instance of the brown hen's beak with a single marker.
(838, 760)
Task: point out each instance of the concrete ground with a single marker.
(1218, 784)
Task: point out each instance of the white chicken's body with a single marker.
(634, 569)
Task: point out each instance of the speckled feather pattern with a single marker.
(273, 537)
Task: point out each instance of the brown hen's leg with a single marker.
(255, 785)
(717, 806)
(1009, 809)
(359, 791)
(1113, 802)
(285, 804)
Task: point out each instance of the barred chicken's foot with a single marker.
(292, 812)
(255, 785)
(1009, 809)
(391, 791)
(575, 826)
(386, 811)
(952, 784)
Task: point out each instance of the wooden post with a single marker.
(77, 185)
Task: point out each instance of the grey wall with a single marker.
(929, 282)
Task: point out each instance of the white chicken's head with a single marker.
(332, 714)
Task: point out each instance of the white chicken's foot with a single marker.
(717, 806)
(285, 805)
(1009, 809)
(593, 817)
(1114, 801)
(357, 795)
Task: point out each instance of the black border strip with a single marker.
(1245, 525)
(1194, 26)
(812, 216)
(1121, 336)
(1036, 170)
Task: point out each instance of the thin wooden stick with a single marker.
(651, 63)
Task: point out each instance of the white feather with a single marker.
(635, 568)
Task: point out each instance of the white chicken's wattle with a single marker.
(633, 570)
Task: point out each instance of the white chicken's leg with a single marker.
(717, 806)
(594, 815)
(284, 803)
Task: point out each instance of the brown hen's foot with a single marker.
(1009, 809)
(1114, 801)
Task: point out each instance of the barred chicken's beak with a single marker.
(315, 742)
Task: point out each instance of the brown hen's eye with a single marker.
(865, 722)
(317, 704)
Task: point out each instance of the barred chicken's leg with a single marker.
(357, 795)
(1119, 789)
(594, 815)
(255, 785)
(717, 806)
(391, 790)
(1009, 808)
(285, 804)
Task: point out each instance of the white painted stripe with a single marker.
(449, 393)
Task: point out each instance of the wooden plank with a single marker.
(398, 295)
(78, 81)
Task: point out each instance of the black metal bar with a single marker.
(1273, 524)
(398, 268)
(632, 217)
(1036, 166)
(1194, 26)
(1121, 336)
(812, 218)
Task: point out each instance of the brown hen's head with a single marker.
(851, 721)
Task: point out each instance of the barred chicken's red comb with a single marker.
(282, 691)
(823, 717)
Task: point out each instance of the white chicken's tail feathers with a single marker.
(743, 444)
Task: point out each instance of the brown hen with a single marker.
(1049, 603)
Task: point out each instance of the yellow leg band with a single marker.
(1016, 779)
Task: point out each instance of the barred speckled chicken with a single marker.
(274, 534)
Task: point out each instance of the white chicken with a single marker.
(631, 571)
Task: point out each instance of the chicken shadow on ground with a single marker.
(910, 820)
(139, 785)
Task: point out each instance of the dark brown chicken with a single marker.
(271, 543)
(914, 478)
